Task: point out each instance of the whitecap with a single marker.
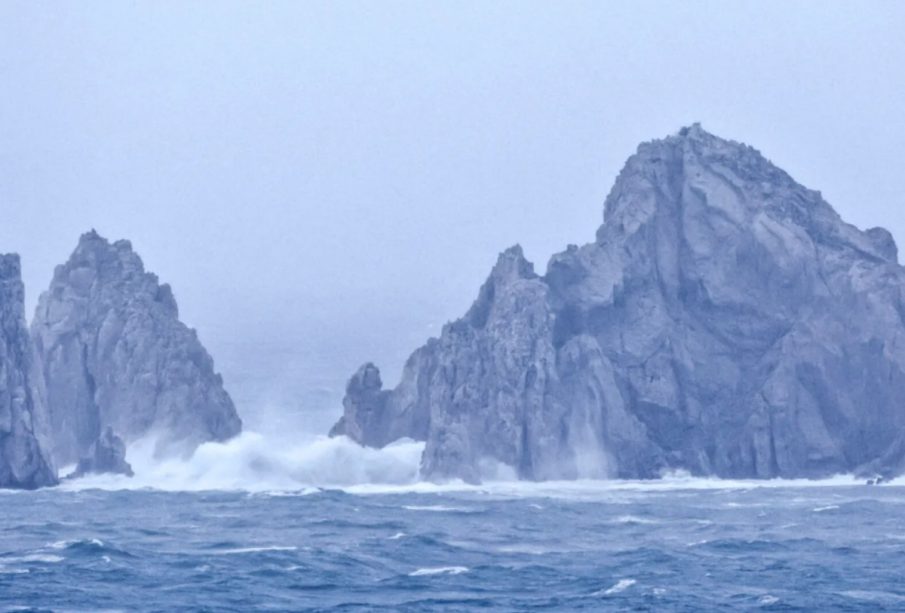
(632, 519)
(240, 550)
(619, 586)
(436, 508)
(69, 543)
(396, 536)
(830, 507)
(439, 570)
(767, 599)
(306, 491)
(254, 463)
(595, 489)
(525, 549)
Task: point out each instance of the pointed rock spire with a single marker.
(115, 354)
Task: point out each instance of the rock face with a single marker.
(24, 459)
(379, 416)
(725, 321)
(106, 455)
(115, 354)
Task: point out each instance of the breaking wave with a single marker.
(261, 464)
(255, 463)
(440, 570)
(620, 586)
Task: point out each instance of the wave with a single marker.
(620, 586)
(266, 465)
(241, 550)
(632, 519)
(440, 570)
(830, 507)
(76, 543)
(593, 489)
(254, 463)
(438, 508)
(90, 547)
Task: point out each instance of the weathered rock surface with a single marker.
(24, 446)
(106, 455)
(115, 354)
(380, 417)
(725, 321)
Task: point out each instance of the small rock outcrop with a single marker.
(25, 462)
(725, 321)
(107, 455)
(374, 416)
(115, 354)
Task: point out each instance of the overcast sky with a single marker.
(332, 181)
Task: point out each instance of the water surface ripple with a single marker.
(508, 548)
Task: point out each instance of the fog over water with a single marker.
(324, 184)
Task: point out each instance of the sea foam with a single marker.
(255, 463)
(264, 465)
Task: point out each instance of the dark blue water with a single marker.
(512, 548)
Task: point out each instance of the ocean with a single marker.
(206, 536)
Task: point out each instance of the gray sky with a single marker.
(328, 183)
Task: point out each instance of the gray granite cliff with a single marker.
(107, 455)
(725, 321)
(24, 445)
(115, 354)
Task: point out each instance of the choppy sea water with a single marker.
(677, 545)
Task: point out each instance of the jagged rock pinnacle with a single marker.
(115, 354)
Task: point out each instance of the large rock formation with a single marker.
(24, 461)
(725, 321)
(115, 354)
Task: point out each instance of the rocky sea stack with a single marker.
(725, 321)
(24, 462)
(115, 355)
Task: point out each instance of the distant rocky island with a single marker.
(107, 362)
(725, 321)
